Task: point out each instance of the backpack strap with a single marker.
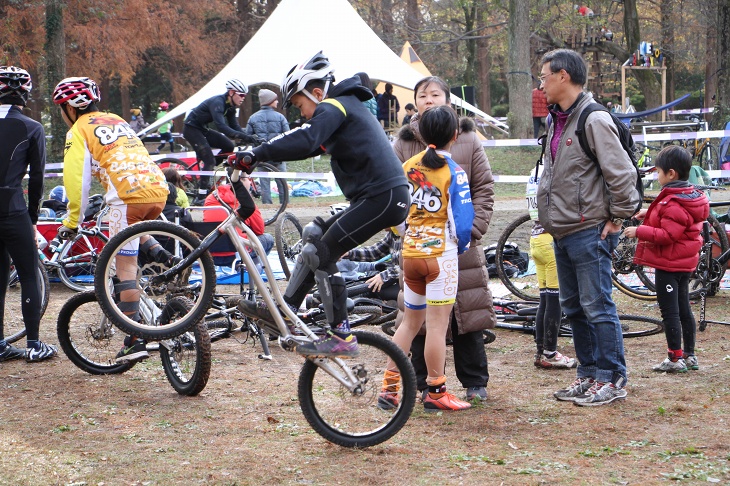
(581, 130)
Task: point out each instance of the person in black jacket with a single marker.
(220, 110)
(367, 171)
(22, 146)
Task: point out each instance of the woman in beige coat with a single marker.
(473, 311)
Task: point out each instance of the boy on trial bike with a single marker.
(367, 171)
(104, 146)
(221, 110)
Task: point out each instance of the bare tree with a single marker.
(55, 71)
(722, 115)
(519, 78)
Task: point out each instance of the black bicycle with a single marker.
(91, 342)
(520, 316)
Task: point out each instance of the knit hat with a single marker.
(266, 97)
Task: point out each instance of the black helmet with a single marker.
(15, 81)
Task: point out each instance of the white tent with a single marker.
(295, 31)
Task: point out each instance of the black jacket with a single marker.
(216, 110)
(362, 158)
(22, 145)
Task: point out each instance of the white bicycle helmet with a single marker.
(316, 68)
(77, 92)
(14, 80)
(237, 85)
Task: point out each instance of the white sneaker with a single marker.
(557, 361)
(670, 366)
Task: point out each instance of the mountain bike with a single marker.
(13, 324)
(269, 211)
(520, 316)
(338, 397)
(710, 271)
(91, 342)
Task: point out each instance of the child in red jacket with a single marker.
(669, 241)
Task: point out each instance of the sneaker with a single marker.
(44, 351)
(137, 351)
(691, 361)
(558, 361)
(670, 366)
(387, 400)
(334, 345)
(446, 402)
(11, 352)
(600, 394)
(476, 393)
(578, 387)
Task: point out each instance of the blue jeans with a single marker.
(265, 184)
(584, 275)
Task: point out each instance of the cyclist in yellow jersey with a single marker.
(104, 146)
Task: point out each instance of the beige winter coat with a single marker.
(473, 308)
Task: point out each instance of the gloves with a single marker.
(254, 140)
(66, 233)
(245, 161)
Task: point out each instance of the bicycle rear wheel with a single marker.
(156, 288)
(88, 338)
(708, 158)
(288, 235)
(271, 211)
(78, 261)
(14, 325)
(523, 286)
(628, 277)
(186, 358)
(352, 418)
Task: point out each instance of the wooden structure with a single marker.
(661, 69)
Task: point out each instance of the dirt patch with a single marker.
(62, 426)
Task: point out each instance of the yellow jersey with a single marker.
(104, 146)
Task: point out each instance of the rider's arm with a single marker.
(225, 122)
(76, 176)
(304, 141)
(37, 166)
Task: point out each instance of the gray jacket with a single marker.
(267, 123)
(574, 193)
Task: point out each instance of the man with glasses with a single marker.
(582, 204)
(222, 111)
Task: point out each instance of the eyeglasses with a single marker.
(543, 76)
(242, 95)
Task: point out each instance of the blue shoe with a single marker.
(43, 352)
(11, 352)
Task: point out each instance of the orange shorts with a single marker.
(123, 215)
(430, 281)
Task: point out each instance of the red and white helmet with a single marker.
(164, 105)
(14, 80)
(77, 92)
(316, 68)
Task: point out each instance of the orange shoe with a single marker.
(446, 402)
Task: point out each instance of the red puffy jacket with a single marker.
(539, 103)
(670, 236)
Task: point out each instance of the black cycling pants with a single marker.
(17, 241)
(361, 221)
(203, 142)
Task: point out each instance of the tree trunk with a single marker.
(470, 17)
(484, 67)
(386, 16)
(711, 57)
(56, 70)
(126, 103)
(413, 24)
(667, 46)
(647, 79)
(519, 78)
(722, 114)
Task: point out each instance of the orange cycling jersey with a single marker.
(104, 146)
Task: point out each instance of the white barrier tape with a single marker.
(657, 137)
(714, 174)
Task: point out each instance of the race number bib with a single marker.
(531, 196)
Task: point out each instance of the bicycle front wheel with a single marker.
(78, 261)
(154, 285)
(522, 285)
(14, 325)
(288, 236)
(88, 338)
(271, 210)
(708, 157)
(186, 358)
(351, 418)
